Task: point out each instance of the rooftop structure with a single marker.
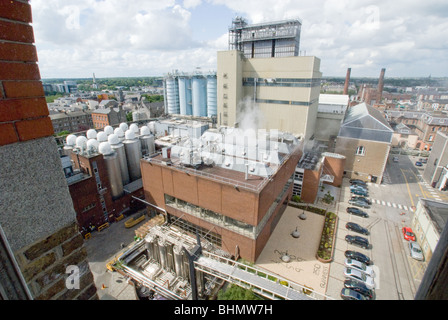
(268, 39)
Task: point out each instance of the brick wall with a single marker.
(23, 109)
(43, 235)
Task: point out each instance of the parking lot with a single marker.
(397, 274)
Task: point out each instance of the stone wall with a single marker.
(44, 266)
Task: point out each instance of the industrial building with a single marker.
(190, 94)
(103, 173)
(270, 93)
(264, 40)
(230, 186)
(436, 170)
(365, 139)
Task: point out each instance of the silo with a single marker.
(132, 146)
(172, 95)
(123, 126)
(150, 239)
(147, 141)
(113, 169)
(92, 145)
(185, 96)
(199, 96)
(212, 102)
(134, 128)
(118, 147)
(162, 253)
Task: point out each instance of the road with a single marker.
(393, 204)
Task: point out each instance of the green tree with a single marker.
(234, 292)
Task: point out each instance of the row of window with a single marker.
(99, 117)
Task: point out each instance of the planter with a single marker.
(327, 241)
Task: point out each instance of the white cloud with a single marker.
(152, 37)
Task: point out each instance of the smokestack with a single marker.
(347, 80)
(381, 84)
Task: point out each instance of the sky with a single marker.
(132, 38)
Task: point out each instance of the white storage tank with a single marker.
(113, 169)
(118, 147)
(70, 141)
(91, 134)
(172, 95)
(212, 102)
(132, 146)
(108, 130)
(147, 141)
(120, 134)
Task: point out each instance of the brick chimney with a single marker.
(347, 81)
(381, 85)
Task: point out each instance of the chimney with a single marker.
(347, 81)
(381, 85)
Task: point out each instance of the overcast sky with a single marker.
(118, 38)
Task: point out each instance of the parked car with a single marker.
(408, 234)
(348, 294)
(357, 212)
(356, 227)
(416, 251)
(359, 287)
(355, 264)
(358, 241)
(395, 159)
(362, 199)
(358, 256)
(359, 192)
(358, 187)
(358, 182)
(423, 160)
(418, 164)
(358, 275)
(359, 203)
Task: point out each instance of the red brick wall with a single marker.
(23, 109)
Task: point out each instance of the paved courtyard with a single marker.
(303, 267)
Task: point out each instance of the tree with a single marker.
(234, 292)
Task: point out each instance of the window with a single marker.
(360, 151)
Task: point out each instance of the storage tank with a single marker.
(101, 136)
(178, 261)
(123, 126)
(81, 143)
(147, 141)
(132, 146)
(113, 169)
(91, 134)
(118, 147)
(70, 144)
(92, 145)
(212, 102)
(172, 95)
(120, 134)
(108, 130)
(185, 96)
(199, 96)
(150, 239)
(162, 253)
(134, 128)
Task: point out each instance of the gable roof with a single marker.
(365, 123)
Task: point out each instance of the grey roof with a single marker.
(438, 211)
(366, 123)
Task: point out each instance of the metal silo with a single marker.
(113, 169)
(132, 146)
(172, 95)
(185, 96)
(118, 147)
(147, 141)
(199, 96)
(212, 102)
(70, 144)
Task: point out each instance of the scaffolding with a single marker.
(264, 40)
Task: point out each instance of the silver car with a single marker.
(355, 264)
(416, 251)
(360, 276)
